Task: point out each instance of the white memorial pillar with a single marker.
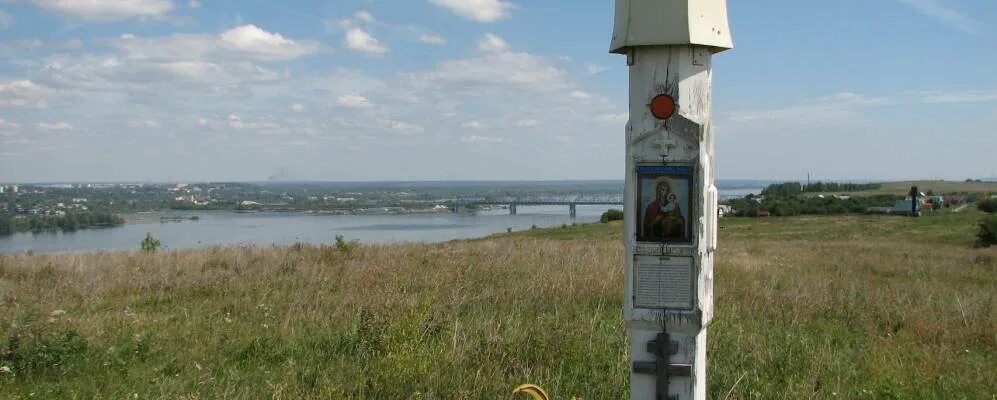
(670, 200)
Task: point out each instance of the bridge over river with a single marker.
(513, 204)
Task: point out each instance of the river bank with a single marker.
(849, 307)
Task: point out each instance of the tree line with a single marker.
(68, 222)
(790, 189)
(787, 199)
(819, 186)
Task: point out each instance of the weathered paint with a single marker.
(669, 46)
(684, 74)
(671, 22)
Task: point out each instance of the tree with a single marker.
(987, 205)
(611, 215)
(987, 236)
(6, 226)
(150, 244)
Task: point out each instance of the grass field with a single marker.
(861, 307)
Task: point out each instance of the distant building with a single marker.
(901, 207)
(2, 188)
(13, 188)
(952, 199)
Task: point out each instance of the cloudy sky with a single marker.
(195, 90)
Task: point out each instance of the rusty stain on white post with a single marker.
(670, 200)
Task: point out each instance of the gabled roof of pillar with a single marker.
(671, 22)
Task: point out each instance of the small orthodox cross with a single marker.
(665, 144)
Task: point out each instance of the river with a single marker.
(221, 228)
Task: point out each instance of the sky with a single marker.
(361, 90)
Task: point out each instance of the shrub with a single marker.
(987, 205)
(611, 215)
(987, 236)
(44, 352)
(150, 244)
(344, 246)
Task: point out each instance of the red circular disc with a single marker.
(662, 106)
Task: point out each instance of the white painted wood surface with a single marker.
(684, 72)
(671, 22)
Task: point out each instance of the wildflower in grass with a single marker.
(57, 313)
(5, 370)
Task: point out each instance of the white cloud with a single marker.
(494, 69)
(477, 10)
(492, 43)
(260, 126)
(353, 101)
(242, 42)
(401, 127)
(194, 4)
(260, 44)
(595, 69)
(475, 139)
(24, 93)
(159, 77)
(190, 84)
(144, 124)
(363, 16)
(358, 18)
(855, 99)
(432, 39)
(969, 96)
(939, 10)
(58, 126)
(35, 43)
(611, 119)
(578, 94)
(838, 106)
(108, 10)
(342, 82)
(5, 20)
(359, 40)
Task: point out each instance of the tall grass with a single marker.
(806, 308)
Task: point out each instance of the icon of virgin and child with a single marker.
(663, 220)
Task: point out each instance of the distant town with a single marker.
(70, 206)
(45, 206)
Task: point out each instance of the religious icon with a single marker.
(663, 199)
